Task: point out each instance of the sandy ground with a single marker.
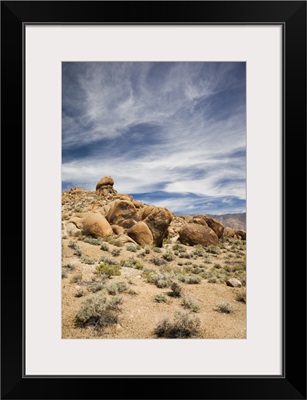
(139, 312)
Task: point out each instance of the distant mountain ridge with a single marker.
(235, 221)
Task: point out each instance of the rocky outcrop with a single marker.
(118, 230)
(122, 213)
(191, 234)
(95, 224)
(141, 234)
(105, 187)
(158, 222)
(216, 226)
(106, 181)
(144, 212)
(234, 233)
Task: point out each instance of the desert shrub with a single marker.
(95, 286)
(67, 268)
(157, 250)
(190, 304)
(107, 260)
(116, 252)
(147, 249)
(76, 278)
(104, 247)
(168, 256)
(161, 298)
(88, 260)
(194, 269)
(115, 242)
(94, 241)
(176, 289)
(241, 296)
(184, 255)
(213, 279)
(132, 263)
(160, 280)
(190, 279)
(183, 326)
(224, 308)
(131, 248)
(109, 270)
(213, 249)
(217, 266)
(73, 245)
(198, 250)
(116, 287)
(97, 311)
(158, 261)
(179, 247)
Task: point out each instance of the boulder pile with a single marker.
(111, 213)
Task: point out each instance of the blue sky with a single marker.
(170, 134)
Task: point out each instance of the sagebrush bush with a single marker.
(132, 263)
(158, 261)
(189, 279)
(131, 248)
(94, 241)
(98, 311)
(104, 247)
(73, 245)
(109, 270)
(161, 298)
(107, 260)
(116, 287)
(224, 308)
(241, 296)
(190, 304)
(168, 256)
(116, 252)
(95, 286)
(176, 289)
(115, 242)
(183, 326)
(213, 249)
(147, 249)
(88, 260)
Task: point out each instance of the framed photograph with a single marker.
(163, 155)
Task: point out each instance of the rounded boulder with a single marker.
(141, 234)
(192, 234)
(96, 224)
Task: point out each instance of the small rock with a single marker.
(233, 282)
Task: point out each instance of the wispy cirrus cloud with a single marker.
(171, 128)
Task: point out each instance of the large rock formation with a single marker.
(216, 226)
(234, 233)
(95, 224)
(141, 234)
(122, 213)
(158, 222)
(105, 186)
(191, 234)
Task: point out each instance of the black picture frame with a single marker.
(292, 383)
